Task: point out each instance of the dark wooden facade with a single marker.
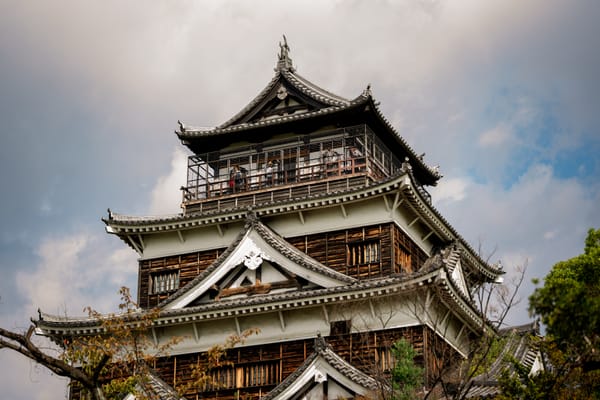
(391, 251)
(251, 372)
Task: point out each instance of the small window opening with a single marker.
(363, 253)
(163, 282)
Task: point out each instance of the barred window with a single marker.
(259, 374)
(220, 378)
(403, 261)
(262, 373)
(387, 361)
(164, 282)
(363, 253)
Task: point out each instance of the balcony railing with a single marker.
(338, 159)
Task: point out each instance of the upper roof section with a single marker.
(291, 105)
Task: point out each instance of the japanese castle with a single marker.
(306, 216)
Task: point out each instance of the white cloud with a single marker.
(76, 271)
(73, 271)
(495, 137)
(166, 195)
(450, 190)
(22, 375)
(520, 223)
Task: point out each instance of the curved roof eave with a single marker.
(427, 209)
(329, 100)
(395, 285)
(432, 172)
(123, 225)
(365, 99)
(245, 126)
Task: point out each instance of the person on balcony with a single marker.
(269, 174)
(357, 158)
(331, 161)
(236, 179)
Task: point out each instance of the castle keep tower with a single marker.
(306, 215)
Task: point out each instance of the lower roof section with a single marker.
(324, 374)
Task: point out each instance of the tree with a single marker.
(109, 365)
(569, 301)
(406, 376)
(569, 305)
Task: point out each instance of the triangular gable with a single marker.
(260, 261)
(155, 387)
(286, 94)
(324, 372)
(459, 278)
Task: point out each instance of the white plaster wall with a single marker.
(307, 322)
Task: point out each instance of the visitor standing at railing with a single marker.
(269, 174)
(330, 160)
(236, 179)
(358, 161)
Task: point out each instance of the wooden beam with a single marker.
(154, 337)
(135, 245)
(427, 236)
(281, 320)
(428, 299)
(181, 238)
(387, 203)
(325, 314)
(344, 212)
(220, 230)
(301, 217)
(460, 332)
(414, 221)
(444, 320)
(141, 241)
(237, 326)
(372, 308)
(196, 335)
(397, 201)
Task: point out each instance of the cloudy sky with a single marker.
(503, 95)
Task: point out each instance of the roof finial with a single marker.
(284, 62)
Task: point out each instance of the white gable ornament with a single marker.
(253, 260)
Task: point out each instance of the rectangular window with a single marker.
(363, 253)
(258, 374)
(337, 328)
(220, 378)
(262, 373)
(163, 282)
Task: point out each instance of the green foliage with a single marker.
(486, 351)
(569, 301)
(406, 376)
(561, 380)
(569, 305)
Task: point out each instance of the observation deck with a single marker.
(288, 168)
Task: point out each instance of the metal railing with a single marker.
(338, 154)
